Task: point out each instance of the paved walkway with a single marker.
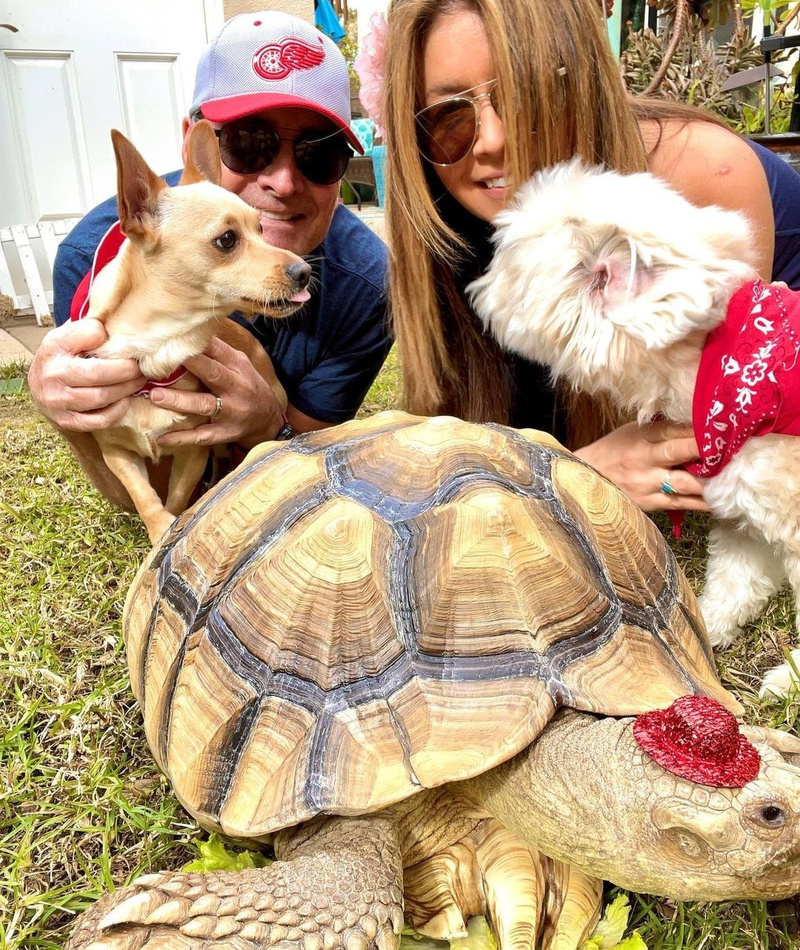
(20, 336)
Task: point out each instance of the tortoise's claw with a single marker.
(573, 908)
(533, 902)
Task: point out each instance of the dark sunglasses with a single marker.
(248, 146)
(446, 131)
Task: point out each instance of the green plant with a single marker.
(349, 47)
(683, 61)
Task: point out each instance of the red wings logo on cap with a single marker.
(277, 60)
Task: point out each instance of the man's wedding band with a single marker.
(218, 410)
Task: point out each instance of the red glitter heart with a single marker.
(699, 739)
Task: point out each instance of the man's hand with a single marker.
(76, 393)
(250, 410)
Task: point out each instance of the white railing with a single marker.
(26, 266)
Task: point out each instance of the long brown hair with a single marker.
(558, 76)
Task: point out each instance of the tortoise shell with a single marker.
(394, 604)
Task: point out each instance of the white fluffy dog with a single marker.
(618, 284)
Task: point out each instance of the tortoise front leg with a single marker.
(339, 888)
(532, 902)
(573, 906)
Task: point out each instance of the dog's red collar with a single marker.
(107, 250)
(168, 381)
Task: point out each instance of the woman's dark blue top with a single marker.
(784, 189)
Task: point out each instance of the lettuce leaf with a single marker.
(608, 934)
(214, 856)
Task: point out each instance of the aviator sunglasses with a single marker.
(446, 130)
(248, 146)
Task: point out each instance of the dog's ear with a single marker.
(202, 156)
(615, 277)
(138, 188)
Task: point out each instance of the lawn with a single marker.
(82, 807)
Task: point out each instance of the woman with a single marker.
(536, 84)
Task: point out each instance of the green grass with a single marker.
(385, 391)
(82, 806)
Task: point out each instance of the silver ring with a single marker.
(217, 408)
(666, 485)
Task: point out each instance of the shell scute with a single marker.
(270, 775)
(666, 654)
(265, 500)
(637, 564)
(319, 578)
(500, 577)
(211, 690)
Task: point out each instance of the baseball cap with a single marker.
(272, 60)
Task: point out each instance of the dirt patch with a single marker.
(18, 412)
(6, 307)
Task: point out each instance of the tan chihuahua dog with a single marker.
(193, 255)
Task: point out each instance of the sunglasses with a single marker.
(248, 146)
(446, 131)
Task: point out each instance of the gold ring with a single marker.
(217, 408)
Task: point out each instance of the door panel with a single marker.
(74, 70)
(47, 178)
(152, 107)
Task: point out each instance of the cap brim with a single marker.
(237, 107)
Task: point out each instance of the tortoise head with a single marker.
(589, 794)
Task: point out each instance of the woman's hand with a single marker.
(249, 409)
(639, 459)
(76, 393)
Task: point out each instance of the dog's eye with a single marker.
(227, 241)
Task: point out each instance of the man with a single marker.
(279, 92)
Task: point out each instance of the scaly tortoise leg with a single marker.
(573, 906)
(337, 887)
(530, 900)
(444, 891)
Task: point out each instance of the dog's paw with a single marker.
(721, 639)
(721, 635)
(158, 525)
(783, 681)
(721, 627)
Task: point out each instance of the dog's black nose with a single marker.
(300, 273)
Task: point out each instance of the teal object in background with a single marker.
(614, 26)
(325, 19)
(379, 168)
(364, 131)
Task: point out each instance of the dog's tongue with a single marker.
(301, 297)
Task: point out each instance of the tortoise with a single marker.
(408, 653)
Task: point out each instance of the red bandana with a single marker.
(746, 384)
(107, 250)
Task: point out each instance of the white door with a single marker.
(70, 71)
